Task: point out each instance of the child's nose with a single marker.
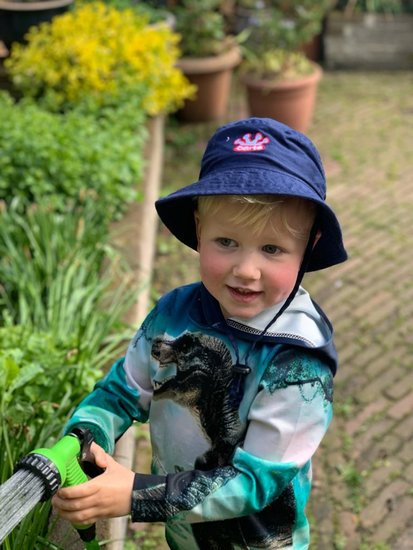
(246, 268)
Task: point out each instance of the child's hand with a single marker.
(105, 496)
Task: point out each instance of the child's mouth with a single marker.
(243, 294)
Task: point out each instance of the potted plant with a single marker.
(280, 81)
(97, 53)
(209, 56)
(17, 16)
(370, 34)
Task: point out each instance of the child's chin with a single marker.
(242, 313)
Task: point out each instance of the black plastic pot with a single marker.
(17, 17)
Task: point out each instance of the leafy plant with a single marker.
(202, 27)
(58, 157)
(39, 384)
(61, 327)
(36, 393)
(276, 34)
(98, 51)
(51, 272)
(147, 9)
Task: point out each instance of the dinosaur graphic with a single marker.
(201, 383)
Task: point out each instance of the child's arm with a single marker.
(116, 401)
(110, 409)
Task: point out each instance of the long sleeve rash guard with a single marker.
(232, 452)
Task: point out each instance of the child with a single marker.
(234, 373)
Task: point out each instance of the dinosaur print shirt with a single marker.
(235, 417)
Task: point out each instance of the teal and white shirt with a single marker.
(231, 452)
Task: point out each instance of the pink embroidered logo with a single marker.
(247, 143)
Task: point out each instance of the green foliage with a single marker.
(151, 538)
(149, 10)
(202, 27)
(39, 383)
(288, 24)
(277, 31)
(51, 272)
(373, 546)
(61, 327)
(353, 478)
(96, 50)
(56, 157)
(37, 389)
(277, 64)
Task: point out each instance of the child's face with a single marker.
(247, 272)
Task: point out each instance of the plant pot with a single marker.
(289, 101)
(17, 17)
(212, 76)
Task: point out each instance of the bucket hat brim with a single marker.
(177, 209)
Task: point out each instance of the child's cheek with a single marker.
(212, 266)
(283, 279)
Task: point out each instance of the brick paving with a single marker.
(363, 496)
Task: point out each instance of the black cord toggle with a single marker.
(241, 369)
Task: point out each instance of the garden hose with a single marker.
(60, 466)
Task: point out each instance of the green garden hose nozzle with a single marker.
(59, 467)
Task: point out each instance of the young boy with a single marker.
(234, 373)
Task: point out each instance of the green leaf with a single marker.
(9, 370)
(26, 374)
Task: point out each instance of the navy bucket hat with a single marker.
(258, 156)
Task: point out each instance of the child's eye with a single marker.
(271, 249)
(224, 241)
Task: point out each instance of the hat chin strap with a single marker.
(241, 370)
(301, 272)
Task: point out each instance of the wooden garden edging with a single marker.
(135, 234)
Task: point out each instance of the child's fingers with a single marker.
(100, 456)
(78, 512)
(77, 491)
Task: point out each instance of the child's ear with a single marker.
(198, 228)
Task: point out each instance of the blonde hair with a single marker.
(256, 211)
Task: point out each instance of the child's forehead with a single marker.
(255, 217)
(270, 217)
(274, 207)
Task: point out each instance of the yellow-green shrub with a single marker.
(98, 51)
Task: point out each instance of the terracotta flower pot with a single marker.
(212, 76)
(290, 101)
(17, 17)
